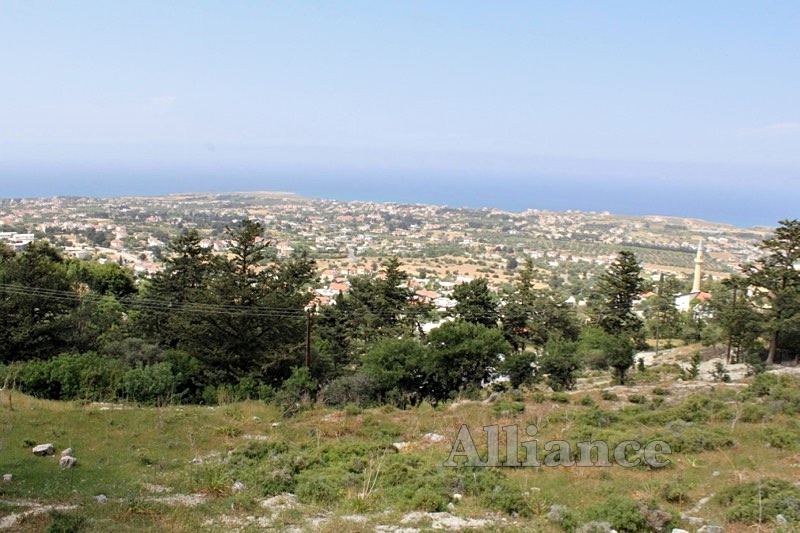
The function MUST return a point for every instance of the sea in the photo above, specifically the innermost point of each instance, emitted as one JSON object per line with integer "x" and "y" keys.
{"x": 742, "y": 203}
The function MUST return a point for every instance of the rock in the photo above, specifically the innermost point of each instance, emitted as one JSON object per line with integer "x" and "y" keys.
{"x": 399, "y": 446}
{"x": 676, "y": 530}
{"x": 44, "y": 449}
{"x": 67, "y": 462}
{"x": 556, "y": 513}
{"x": 256, "y": 418}
{"x": 280, "y": 502}
{"x": 68, "y": 451}
{"x": 781, "y": 520}
{"x": 101, "y": 498}
{"x": 275, "y": 424}
{"x": 595, "y": 527}
{"x": 493, "y": 397}
{"x": 715, "y": 473}
{"x": 693, "y": 520}
{"x": 451, "y": 506}
{"x": 457, "y": 497}
{"x": 238, "y": 487}
{"x": 710, "y": 529}
{"x": 7, "y": 477}
{"x": 433, "y": 437}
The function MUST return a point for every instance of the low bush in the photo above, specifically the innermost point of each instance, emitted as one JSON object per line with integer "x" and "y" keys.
{"x": 759, "y": 501}
{"x": 356, "y": 389}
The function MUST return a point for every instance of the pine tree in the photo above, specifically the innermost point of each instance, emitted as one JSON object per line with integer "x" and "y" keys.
{"x": 777, "y": 277}
{"x": 613, "y": 298}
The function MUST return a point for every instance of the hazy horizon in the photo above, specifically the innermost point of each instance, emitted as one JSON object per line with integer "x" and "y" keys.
{"x": 685, "y": 108}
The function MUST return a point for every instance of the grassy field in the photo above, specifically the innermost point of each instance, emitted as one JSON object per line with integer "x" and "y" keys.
{"x": 246, "y": 467}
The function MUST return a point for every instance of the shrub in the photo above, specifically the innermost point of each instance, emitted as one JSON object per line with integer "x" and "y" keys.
{"x": 320, "y": 488}
{"x": 357, "y": 389}
{"x": 61, "y": 522}
{"x": 298, "y": 387}
{"x": 560, "y": 397}
{"x": 608, "y": 396}
{"x": 753, "y": 412}
{"x": 428, "y": 500}
{"x": 73, "y": 376}
{"x": 508, "y": 500}
{"x": 149, "y": 384}
{"x": 674, "y": 491}
{"x": 754, "y": 502}
{"x": 636, "y": 398}
{"x": 510, "y": 408}
{"x": 691, "y": 439}
{"x": 720, "y": 373}
{"x": 781, "y": 438}
{"x": 623, "y": 514}
{"x": 588, "y": 401}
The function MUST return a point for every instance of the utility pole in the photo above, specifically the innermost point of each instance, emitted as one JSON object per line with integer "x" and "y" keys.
{"x": 308, "y": 339}
{"x": 730, "y": 331}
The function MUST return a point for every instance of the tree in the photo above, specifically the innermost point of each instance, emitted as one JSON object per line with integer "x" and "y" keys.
{"x": 659, "y": 310}
{"x": 532, "y": 315}
{"x": 476, "y": 303}
{"x": 613, "y": 298}
{"x": 163, "y": 308}
{"x": 395, "y": 367}
{"x": 736, "y": 318}
{"x": 777, "y": 277}
{"x": 373, "y": 308}
{"x": 520, "y": 367}
{"x": 619, "y": 352}
{"x": 559, "y": 362}
{"x": 36, "y": 303}
{"x": 242, "y": 315}
{"x": 461, "y": 354}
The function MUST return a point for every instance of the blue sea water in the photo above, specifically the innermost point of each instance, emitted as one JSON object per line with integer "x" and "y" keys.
{"x": 744, "y": 203}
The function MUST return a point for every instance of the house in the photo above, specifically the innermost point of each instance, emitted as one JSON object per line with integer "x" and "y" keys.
{"x": 426, "y": 296}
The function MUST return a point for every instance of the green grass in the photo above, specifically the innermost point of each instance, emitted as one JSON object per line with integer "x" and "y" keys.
{"x": 341, "y": 463}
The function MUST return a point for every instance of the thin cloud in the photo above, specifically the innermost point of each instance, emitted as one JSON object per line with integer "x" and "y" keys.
{"x": 160, "y": 104}
{"x": 772, "y": 129}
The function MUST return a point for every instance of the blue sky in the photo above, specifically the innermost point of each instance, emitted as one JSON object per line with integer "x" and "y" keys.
{"x": 613, "y": 88}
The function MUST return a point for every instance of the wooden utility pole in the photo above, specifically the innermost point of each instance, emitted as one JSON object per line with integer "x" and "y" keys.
{"x": 730, "y": 330}
{"x": 308, "y": 339}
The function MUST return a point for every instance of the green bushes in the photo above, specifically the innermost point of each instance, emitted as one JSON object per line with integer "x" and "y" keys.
{"x": 87, "y": 376}
{"x": 149, "y": 384}
{"x": 760, "y": 501}
{"x": 622, "y": 513}
{"x": 353, "y": 389}
{"x": 94, "y": 377}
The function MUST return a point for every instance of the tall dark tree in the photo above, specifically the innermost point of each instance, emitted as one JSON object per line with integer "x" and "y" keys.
{"x": 617, "y": 290}
{"x": 239, "y": 315}
{"x": 735, "y": 320}
{"x": 532, "y": 315}
{"x": 257, "y": 321}
{"x": 776, "y": 276}
{"x": 462, "y": 354}
{"x": 663, "y": 319}
{"x": 36, "y": 303}
{"x": 163, "y": 312}
{"x": 476, "y": 303}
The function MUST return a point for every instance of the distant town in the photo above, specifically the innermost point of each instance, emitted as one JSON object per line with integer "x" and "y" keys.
{"x": 439, "y": 246}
